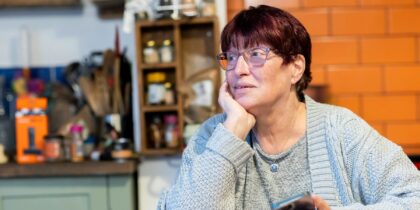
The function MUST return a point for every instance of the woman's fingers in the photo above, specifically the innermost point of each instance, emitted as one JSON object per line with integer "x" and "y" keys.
{"x": 320, "y": 203}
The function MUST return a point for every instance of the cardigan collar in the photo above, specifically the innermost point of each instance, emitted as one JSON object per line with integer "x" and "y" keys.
{"x": 322, "y": 181}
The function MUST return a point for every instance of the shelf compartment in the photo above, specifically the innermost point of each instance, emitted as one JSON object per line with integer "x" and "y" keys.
{"x": 167, "y": 82}
{"x": 156, "y": 134}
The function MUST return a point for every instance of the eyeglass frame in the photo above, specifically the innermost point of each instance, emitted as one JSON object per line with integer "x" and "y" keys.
{"x": 246, "y": 58}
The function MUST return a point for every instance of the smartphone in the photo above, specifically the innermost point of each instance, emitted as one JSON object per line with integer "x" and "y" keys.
{"x": 301, "y": 201}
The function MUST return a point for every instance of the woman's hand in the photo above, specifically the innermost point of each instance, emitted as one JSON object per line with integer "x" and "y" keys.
{"x": 320, "y": 203}
{"x": 238, "y": 120}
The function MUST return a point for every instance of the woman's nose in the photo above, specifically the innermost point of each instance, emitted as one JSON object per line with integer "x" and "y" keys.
{"x": 241, "y": 67}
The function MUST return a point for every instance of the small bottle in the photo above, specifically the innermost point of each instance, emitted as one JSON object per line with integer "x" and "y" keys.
{"x": 77, "y": 143}
{"x": 150, "y": 53}
{"x": 171, "y": 131}
{"x": 166, "y": 51}
{"x": 169, "y": 94}
{"x": 156, "y": 132}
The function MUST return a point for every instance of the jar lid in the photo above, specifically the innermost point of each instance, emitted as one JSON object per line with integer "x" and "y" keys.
{"x": 75, "y": 128}
{"x": 170, "y": 119}
{"x": 150, "y": 43}
{"x": 166, "y": 42}
{"x": 156, "y": 77}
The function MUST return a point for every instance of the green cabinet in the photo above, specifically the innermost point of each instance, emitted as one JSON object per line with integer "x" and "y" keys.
{"x": 87, "y": 185}
{"x": 68, "y": 193}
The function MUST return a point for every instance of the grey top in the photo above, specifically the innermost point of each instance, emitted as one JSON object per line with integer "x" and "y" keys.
{"x": 351, "y": 166}
{"x": 271, "y": 187}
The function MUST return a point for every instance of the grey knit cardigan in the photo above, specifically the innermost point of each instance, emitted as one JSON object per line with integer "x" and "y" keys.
{"x": 351, "y": 166}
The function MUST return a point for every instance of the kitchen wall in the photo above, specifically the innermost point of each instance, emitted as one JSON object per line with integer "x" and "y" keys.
{"x": 368, "y": 53}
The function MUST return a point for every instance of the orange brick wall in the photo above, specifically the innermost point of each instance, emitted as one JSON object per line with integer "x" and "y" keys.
{"x": 368, "y": 53}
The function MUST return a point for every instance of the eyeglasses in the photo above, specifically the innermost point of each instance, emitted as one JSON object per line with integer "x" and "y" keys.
{"x": 254, "y": 57}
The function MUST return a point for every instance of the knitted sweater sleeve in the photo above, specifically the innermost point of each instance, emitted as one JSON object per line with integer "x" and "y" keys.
{"x": 383, "y": 176}
{"x": 209, "y": 168}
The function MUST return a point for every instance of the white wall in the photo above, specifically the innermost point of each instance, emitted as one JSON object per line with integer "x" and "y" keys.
{"x": 57, "y": 36}
{"x": 60, "y": 36}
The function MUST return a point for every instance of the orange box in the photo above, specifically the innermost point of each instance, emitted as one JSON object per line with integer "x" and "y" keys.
{"x": 31, "y": 127}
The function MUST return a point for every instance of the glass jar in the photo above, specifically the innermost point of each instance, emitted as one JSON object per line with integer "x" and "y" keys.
{"x": 53, "y": 148}
{"x": 150, "y": 53}
{"x": 166, "y": 51}
{"x": 156, "y": 88}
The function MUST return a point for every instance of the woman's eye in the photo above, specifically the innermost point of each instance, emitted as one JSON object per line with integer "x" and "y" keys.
{"x": 231, "y": 57}
{"x": 257, "y": 53}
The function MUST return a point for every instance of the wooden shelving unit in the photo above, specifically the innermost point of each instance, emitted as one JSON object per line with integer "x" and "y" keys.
{"x": 192, "y": 39}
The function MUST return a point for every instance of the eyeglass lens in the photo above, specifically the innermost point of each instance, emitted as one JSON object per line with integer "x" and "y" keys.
{"x": 254, "y": 57}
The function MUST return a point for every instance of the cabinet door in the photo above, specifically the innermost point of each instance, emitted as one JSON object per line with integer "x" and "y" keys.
{"x": 81, "y": 193}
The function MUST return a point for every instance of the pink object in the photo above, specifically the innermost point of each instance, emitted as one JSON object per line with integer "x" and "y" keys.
{"x": 75, "y": 128}
{"x": 170, "y": 119}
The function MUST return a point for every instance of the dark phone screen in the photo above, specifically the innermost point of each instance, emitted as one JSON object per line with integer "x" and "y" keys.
{"x": 299, "y": 202}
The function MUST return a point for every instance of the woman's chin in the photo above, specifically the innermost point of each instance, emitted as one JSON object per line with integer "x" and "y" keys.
{"x": 246, "y": 102}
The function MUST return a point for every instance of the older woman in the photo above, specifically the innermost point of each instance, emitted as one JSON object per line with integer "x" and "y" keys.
{"x": 273, "y": 142}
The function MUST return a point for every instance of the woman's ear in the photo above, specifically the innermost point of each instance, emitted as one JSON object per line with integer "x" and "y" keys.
{"x": 298, "y": 68}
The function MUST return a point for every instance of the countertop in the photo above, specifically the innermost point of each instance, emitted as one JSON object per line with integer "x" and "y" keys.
{"x": 86, "y": 168}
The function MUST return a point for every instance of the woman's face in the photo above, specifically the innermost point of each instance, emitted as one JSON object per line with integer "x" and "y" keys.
{"x": 260, "y": 87}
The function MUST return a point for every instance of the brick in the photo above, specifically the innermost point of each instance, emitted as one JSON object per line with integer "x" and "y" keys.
{"x": 387, "y": 2}
{"x": 418, "y": 48}
{"x": 318, "y": 75}
{"x": 380, "y": 127}
{"x": 350, "y": 102}
{"x": 404, "y": 133}
{"x": 354, "y": 79}
{"x": 235, "y": 4}
{"x": 335, "y": 51}
{"x": 402, "y": 78}
{"x": 404, "y": 20}
{"x": 315, "y": 21}
{"x": 389, "y": 107}
{"x": 283, "y": 4}
{"x": 329, "y": 3}
{"x": 388, "y": 50}
{"x": 358, "y": 21}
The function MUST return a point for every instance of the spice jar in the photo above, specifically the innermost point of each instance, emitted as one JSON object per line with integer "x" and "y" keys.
{"x": 156, "y": 88}
{"x": 53, "y": 148}
{"x": 150, "y": 53}
{"x": 166, "y": 51}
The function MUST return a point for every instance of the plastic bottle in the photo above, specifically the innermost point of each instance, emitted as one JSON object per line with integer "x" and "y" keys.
{"x": 77, "y": 143}
{"x": 171, "y": 131}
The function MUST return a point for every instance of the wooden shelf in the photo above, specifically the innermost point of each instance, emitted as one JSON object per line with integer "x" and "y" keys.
{"x": 159, "y": 66}
{"x": 194, "y": 45}
{"x": 40, "y": 3}
{"x": 159, "y": 108}
{"x": 170, "y": 22}
{"x": 86, "y": 168}
{"x": 163, "y": 151}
